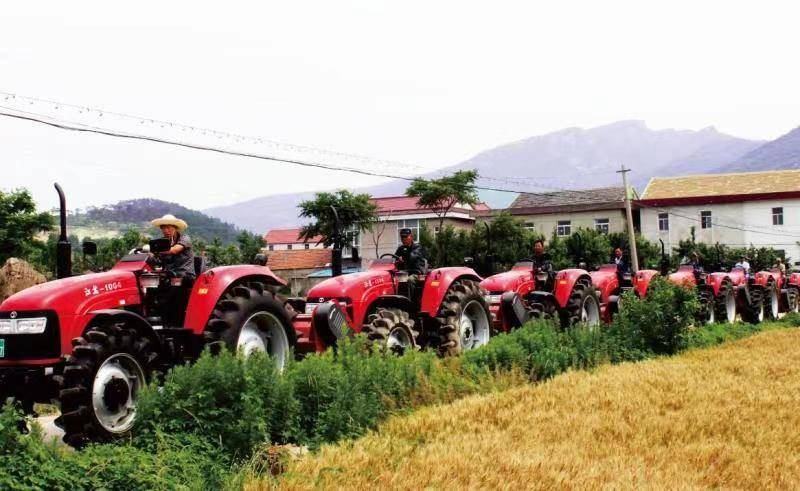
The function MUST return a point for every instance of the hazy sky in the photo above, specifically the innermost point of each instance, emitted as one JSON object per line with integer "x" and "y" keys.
{"x": 430, "y": 83}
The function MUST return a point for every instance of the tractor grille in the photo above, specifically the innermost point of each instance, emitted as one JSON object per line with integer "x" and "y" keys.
{"x": 32, "y": 346}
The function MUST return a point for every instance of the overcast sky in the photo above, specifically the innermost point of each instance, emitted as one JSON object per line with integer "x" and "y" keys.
{"x": 425, "y": 82}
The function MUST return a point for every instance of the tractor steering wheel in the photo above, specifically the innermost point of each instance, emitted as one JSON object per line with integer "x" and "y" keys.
{"x": 388, "y": 254}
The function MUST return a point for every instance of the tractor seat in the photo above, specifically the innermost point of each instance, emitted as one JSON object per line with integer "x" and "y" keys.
{"x": 199, "y": 265}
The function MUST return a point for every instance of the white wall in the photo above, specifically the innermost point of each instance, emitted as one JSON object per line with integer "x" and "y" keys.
{"x": 295, "y": 247}
{"x": 728, "y": 220}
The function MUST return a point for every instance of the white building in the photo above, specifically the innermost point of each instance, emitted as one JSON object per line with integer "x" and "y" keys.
{"x": 738, "y": 209}
{"x": 289, "y": 239}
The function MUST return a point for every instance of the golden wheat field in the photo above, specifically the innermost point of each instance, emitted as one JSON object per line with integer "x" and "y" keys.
{"x": 726, "y": 417}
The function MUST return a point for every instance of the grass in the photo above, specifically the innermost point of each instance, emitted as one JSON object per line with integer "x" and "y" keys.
{"x": 719, "y": 417}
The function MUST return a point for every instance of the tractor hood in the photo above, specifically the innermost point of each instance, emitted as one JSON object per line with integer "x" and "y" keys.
{"x": 350, "y": 286}
{"x": 78, "y": 295}
{"x": 508, "y": 281}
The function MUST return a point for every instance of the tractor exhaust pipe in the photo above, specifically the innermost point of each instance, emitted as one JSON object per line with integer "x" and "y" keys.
{"x": 336, "y": 253}
{"x": 63, "y": 247}
{"x": 664, "y": 260}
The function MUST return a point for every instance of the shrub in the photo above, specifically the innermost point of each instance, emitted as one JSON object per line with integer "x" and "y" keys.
{"x": 655, "y": 324}
{"x": 234, "y": 402}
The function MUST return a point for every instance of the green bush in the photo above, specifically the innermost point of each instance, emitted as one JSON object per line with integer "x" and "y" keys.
{"x": 28, "y": 463}
{"x": 657, "y": 323}
{"x": 234, "y": 402}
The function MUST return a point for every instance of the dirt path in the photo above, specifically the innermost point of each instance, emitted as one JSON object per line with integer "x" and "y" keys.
{"x": 723, "y": 417}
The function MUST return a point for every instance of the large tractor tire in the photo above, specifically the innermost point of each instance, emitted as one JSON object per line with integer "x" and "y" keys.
{"x": 391, "y": 329}
{"x": 793, "y": 299}
{"x": 463, "y": 320}
{"x": 102, "y": 379}
{"x": 252, "y": 319}
{"x": 708, "y": 310}
{"x": 582, "y": 306}
{"x": 725, "y": 304}
{"x": 545, "y": 311}
{"x": 772, "y": 302}
{"x": 754, "y": 312}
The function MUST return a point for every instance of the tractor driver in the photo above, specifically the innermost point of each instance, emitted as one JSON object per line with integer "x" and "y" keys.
{"x": 411, "y": 256}
{"x": 179, "y": 259}
{"x": 541, "y": 260}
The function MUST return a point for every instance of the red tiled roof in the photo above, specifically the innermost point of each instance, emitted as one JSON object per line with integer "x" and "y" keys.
{"x": 287, "y": 236}
{"x": 398, "y": 204}
{"x": 302, "y": 259}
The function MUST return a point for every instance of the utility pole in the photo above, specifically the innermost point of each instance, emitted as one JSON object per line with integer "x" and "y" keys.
{"x": 631, "y": 233}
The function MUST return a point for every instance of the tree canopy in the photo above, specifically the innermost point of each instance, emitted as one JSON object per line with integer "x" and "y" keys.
{"x": 443, "y": 194}
{"x": 356, "y": 214}
{"x": 20, "y": 223}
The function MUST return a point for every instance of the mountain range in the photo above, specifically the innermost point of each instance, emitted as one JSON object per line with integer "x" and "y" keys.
{"x": 572, "y": 158}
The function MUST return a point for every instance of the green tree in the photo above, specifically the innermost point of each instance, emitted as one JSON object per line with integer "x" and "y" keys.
{"x": 443, "y": 194}
{"x": 510, "y": 242}
{"x": 19, "y": 224}
{"x": 356, "y": 214}
{"x": 249, "y": 245}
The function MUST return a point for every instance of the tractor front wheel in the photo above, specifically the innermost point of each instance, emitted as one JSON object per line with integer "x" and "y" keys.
{"x": 708, "y": 311}
{"x": 726, "y": 304}
{"x": 252, "y": 319}
{"x": 771, "y": 302}
{"x": 392, "y": 329}
{"x": 98, "y": 392}
{"x": 582, "y": 306}
{"x": 463, "y": 319}
{"x": 754, "y": 312}
{"x": 792, "y": 299}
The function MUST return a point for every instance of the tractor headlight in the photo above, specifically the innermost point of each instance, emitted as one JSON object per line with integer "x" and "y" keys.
{"x": 35, "y": 325}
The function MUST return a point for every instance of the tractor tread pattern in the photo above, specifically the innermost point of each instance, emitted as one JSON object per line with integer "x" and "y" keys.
{"x": 75, "y": 385}
{"x": 571, "y": 314}
{"x": 457, "y": 296}
{"x": 381, "y": 323}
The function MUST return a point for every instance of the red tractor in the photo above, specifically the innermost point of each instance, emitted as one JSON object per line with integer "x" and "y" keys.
{"x": 442, "y": 308}
{"x": 780, "y": 294}
{"x": 525, "y": 292}
{"x": 91, "y": 342}
{"x": 722, "y": 294}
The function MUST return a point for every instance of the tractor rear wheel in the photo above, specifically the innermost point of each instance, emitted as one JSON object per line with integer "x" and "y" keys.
{"x": 771, "y": 302}
{"x": 726, "y": 304}
{"x": 754, "y": 312}
{"x": 463, "y": 319}
{"x": 708, "y": 311}
{"x": 582, "y": 306}
{"x": 252, "y": 319}
{"x": 102, "y": 379}
{"x": 391, "y": 329}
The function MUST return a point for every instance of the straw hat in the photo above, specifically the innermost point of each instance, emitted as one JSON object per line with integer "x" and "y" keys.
{"x": 170, "y": 220}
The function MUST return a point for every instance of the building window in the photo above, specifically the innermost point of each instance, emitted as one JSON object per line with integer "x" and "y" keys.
{"x": 353, "y": 240}
{"x": 288, "y": 247}
{"x": 435, "y": 231}
{"x": 412, "y": 224}
{"x": 529, "y": 226}
{"x": 306, "y": 245}
{"x": 271, "y": 247}
{"x": 777, "y": 216}
{"x": 705, "y": 219}
{"x": 564, "y": 228}
{"x": 601, "y": 225}
{"x": 663, "y": 222}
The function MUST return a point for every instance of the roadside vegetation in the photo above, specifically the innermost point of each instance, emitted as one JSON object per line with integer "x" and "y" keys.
{"x": 215, "y": 423}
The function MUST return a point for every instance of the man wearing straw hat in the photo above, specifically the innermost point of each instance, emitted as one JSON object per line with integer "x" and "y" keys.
{"x": 179, "y": 258}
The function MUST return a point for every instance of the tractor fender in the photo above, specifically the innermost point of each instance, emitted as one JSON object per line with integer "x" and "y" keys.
{"x": 212, "y": 284}
{"x": 642, "y": 279}
{"x": 715, "y": 281}
{"x": 565, "y": 282}
{"x": 438, "y": 282}
{"x": 133, "y": 319}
